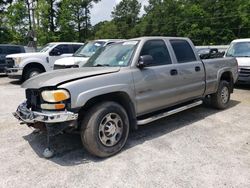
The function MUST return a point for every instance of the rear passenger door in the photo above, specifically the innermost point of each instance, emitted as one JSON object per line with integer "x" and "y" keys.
{"x": 155, "y": 87}
{"x": 190, "y": 71}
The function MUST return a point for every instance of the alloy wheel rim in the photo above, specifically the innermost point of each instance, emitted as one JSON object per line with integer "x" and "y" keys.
{"x": 110, "y": 129}
{"x": 224, "y": 95}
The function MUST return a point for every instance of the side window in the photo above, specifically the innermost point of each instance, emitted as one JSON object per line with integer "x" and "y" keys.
{"x": 1, "y": 50}
{"x": 63, "y": 49}
{"x": 158, "y": 50}
{"x": 183, "y": 51}
{"x": 76, "y": 47}
{"x": 13, "y": 50}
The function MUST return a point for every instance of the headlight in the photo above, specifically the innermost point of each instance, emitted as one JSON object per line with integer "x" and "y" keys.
{"x": 55, "y": 95}
{"x": 17, "y": 60}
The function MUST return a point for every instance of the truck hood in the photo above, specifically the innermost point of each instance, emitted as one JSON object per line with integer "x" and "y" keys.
{"x": 71, "y": 60}
{"x": 25, "y": 55}
{"x": 243, "y": 61}
{"x": 57, "y": 77}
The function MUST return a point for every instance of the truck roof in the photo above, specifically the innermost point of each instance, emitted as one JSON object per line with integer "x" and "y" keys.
{"x": 158, "y": 37}
{"x": 67, "y": 42}
{"x": 242, "y": 40}
{"x": 108, "y": 40}
{"x": 11, "y": 45}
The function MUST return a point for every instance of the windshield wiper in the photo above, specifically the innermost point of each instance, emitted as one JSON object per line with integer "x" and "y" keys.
{"x": 102, "y": 65}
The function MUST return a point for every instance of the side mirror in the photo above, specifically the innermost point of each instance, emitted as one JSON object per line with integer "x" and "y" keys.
{"x": 145, "y": 61}
{"x": 55, "y": 52}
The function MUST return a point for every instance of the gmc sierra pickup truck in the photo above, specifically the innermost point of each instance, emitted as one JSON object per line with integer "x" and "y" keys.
{"x": 127, "y": 84}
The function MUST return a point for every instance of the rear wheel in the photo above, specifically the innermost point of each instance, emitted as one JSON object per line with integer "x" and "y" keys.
{"x": 221, "y": 98}
{"x": 31, "y": 72}
{"x": 105, "y": 129}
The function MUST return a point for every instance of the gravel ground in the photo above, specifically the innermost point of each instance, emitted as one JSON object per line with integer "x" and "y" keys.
{"x": 200, "y": 147}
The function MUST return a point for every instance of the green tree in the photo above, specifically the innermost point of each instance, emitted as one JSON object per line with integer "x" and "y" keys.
{"x": 65, "y": 21}
{"x": 17, "y": 21}
{"x": 125, "y": 16}
{"x": 107, "y": 30}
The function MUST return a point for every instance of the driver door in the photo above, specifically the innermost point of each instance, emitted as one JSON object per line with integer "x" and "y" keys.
{"x": 155, "y": 84}
{"x": 58, "y": 52}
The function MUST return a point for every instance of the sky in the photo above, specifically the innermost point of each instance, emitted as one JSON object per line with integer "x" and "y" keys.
{"x": 102, "y": 10}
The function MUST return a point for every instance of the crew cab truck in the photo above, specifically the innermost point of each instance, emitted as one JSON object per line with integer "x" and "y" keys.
{"x": 25, "y": 65}
{"x": 128, "y": 84}
{"x": 81, "y": 56}
{"x": 240, "y": 49}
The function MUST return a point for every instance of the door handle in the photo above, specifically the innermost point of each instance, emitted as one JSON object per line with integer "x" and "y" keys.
{"x": 173, "y": 72}
{"x": 197, "y": 69}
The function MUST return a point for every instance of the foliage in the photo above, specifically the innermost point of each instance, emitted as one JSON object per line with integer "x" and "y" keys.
{"x": 205, "y": 22}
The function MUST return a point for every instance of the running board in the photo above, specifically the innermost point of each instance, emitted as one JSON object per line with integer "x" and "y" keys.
{"x": 168, "y": 113}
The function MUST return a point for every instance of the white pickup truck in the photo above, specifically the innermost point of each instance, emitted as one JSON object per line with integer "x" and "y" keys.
{"x": 240, "y": 49}
{"x": 81, "y": 56}
{"x": 25, "y": 65}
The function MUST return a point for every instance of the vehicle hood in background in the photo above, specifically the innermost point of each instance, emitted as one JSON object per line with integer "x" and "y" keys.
{"x": 243, "y": 61}
{"x": 25, "y": 55}
{"x": 71, "y": 61}
{"x": 57, "y": 77}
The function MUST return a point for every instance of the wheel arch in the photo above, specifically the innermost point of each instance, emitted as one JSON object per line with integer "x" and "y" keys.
{"x": 228, "y": 76}
{"x": 33, "y": 65}
{"x": 121, "y": 98}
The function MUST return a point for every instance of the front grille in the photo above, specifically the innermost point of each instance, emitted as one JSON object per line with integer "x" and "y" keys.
{"x": 10, "y": 62}
{"x": 244, "y": 72}
{"x": 33, "y": 99}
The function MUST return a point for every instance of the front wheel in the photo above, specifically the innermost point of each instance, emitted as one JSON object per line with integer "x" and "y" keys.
{"x": 105, "y": 129}
{"x": 31, "y": 72}
{"x": 221, "y": 98}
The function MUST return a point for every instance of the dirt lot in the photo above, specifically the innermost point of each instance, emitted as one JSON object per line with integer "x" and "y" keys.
{"x": 200, "y": 147}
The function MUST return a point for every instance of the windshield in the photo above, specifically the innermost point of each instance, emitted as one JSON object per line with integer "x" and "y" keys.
{"x": 47, "y": 47}
{"x": 89, "y": 49}
{"x": 239, "y": 49}
{"x": 115, "y": 55}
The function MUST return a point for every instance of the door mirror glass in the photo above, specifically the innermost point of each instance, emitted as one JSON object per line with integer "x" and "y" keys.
{"x": 144, "y": 61}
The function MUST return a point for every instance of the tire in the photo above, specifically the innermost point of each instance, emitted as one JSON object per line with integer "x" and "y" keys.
{"x": 220, "y": 100}
{"x": 105, "y": 129}
{"x": 31, "y": 72}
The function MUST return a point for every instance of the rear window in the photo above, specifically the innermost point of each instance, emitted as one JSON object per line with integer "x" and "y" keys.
{"x": 11, "y": 50}
{"x": 183, "y": 51}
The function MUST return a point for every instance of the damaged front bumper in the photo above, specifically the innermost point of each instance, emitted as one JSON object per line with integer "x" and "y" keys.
{"x": 50, "y": 122}
{"x": 27, "y": 116}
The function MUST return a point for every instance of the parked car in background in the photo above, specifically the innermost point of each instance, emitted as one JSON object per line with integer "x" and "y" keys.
{"x": 7, "y": 49}
{"x": 82, "y": 55}
{"x": 210, "y": 52}
{"x": 25, "y": 65}
{"x": 130, "y": 83}
{"x": 240, "y": 49}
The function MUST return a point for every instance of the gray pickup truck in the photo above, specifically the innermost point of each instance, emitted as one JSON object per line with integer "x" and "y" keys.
{"x": 127, "y": 84}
